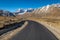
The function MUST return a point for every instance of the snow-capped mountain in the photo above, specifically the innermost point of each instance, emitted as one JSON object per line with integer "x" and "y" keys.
{"x": 29, "y": 10}
{"x": 53, "y": 9}
{"x": 22, "y": 11}
{"x": 49, "y": 10}
{"x": 56, "y": 5}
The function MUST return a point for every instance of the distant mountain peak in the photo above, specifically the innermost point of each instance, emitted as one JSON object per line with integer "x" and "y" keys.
{"x": 48, "y": 7}
{"x": 22, "y": 11}
{"x": 49, "y": 10}
{"x": 45, "y": 8}
{"x": 56, "y": 5}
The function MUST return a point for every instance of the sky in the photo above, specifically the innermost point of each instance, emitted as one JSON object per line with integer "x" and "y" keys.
{"x": 13, "y": 5}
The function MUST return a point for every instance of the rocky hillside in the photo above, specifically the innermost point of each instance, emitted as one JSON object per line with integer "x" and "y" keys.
{"x": 48, "y": 11}
{"x": 6, "y": 13}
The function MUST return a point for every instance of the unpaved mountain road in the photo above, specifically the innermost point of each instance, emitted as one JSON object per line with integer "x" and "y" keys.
{"x": 34, "y": 31}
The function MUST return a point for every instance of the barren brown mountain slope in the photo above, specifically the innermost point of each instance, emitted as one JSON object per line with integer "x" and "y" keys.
{"x": 8, "y": 20}
{"x": 48, "y": 12}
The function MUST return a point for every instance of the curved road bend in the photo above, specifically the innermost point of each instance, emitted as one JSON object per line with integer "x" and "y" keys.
{"x": 34, "y": 31}
{"x": 10, "y": 27}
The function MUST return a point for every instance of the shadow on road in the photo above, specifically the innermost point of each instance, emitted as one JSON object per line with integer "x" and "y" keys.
{"x": 10, "y": 27}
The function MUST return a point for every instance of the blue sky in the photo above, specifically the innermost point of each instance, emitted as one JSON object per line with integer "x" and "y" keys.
{"x": 12, "y": 5}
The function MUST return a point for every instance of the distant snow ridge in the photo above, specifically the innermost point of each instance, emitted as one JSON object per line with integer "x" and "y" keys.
{"x": 56, "y": 5}
{"x": 30, "y": 10}
{"x": 25, "y": 10}
{"x": 46, "y": 8}
{"x": 22, "y": 11}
